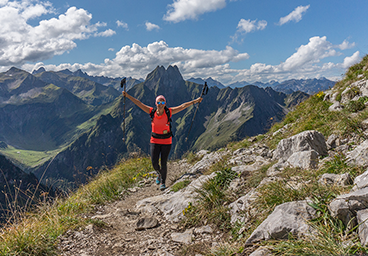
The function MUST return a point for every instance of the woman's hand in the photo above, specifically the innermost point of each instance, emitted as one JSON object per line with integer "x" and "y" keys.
{"x": 125, "y": 94}
{"x": 198, "y": 100}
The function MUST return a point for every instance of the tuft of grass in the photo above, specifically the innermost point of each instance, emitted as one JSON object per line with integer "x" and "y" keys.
{"x": 212, "y": 198}
{"x": 193, "y": 158}
{"x": 37, "y": 232}
{"x": 180, "y": 185}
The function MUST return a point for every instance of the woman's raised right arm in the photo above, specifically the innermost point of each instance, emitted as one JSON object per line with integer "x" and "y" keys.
{"x": 144, "y": 107}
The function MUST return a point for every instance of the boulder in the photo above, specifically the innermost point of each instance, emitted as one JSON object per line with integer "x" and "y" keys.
{"x": 362, "y": 217}
{"x": 304, "y": 159}
{"x": 331, "y": 141}
{"x": 361, "y": 181}
{"x": 304, "y": 141}
{"x": 336, "y": 106}
{"x": 345, "y": 206}
{"x": 358, "y": 156}
{"x": 287, "y": 218}
{"x": 335, "y": 179}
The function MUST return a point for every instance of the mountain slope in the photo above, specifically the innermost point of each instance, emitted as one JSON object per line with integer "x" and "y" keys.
{"x": 18, "y": 188}
{"x": 35, "y": 115}
{"x": 89, "y": 91}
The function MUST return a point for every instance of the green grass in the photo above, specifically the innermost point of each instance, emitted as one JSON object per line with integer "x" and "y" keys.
{"x": 180, "y": 185}
{"x": 28, "y": 158}
{"x": 211, "y": 200}
{"x": 36, "y": 232}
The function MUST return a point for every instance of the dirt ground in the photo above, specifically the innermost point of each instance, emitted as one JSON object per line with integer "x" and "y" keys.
{"x": 120, "y": 237}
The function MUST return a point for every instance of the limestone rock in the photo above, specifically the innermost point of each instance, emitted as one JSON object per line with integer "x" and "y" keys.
{"x": 361, "y": 181}
{"x": 359, "y": 156}
{"x": 202, "y": 230}
{"x": 331, "y": 141}
{"x": 345, "y": 206}
{"x": 336, "y": 106}
{"x": 185, "y": 238}
{"x": 287, "y": 218}
{"x": 336, "y": 179}
{"x": 362, "y": 217}
{"x": 304, "y": 141}
{"x": 241, "y": 209}
{"x": 261, "y": 251}
{"x": 172, "y": 204}
{"x": 146, "y": 223}
{"x": 304, "y": 159}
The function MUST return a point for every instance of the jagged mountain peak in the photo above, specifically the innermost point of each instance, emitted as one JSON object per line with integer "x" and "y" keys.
{"x": 38, "y": 71}
{"x": 164, "y": 78}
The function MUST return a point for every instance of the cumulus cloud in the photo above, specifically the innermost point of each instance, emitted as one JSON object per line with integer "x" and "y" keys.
{"x": 150, "y": 26}
{"x": 122, "y": 24}
{"x": 295, "y": 15}
{"x": 21, "y": 42}
{"x": 354, "y": 59}
{"x": 137, "y": 61}
{"x": 318, "y": 48}
{"x": 346, "y": 45}
{"x": 182, "y": 10}
{"x": 247, "y": 26}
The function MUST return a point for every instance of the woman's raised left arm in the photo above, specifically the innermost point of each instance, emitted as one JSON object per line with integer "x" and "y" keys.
{"x": 185, "y": 105}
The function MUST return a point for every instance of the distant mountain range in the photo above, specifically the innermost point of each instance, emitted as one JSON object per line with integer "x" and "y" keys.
{"x": 310, "y": 86}
{"x": 70, "y": 124}
{"x": 210, "y": 82}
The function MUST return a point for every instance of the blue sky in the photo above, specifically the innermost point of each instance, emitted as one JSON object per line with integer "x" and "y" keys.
{"x": 228, "y": 40}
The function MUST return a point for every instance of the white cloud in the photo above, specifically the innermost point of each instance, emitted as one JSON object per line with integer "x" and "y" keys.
{"x": 247, "y": 26}
{"x": 106, "y": 33}
{"x": 137, "y": 61}
{"x": 295, "y": 15}
{"x": 111, "y": 49}
{"x": 21, "y": 42}
{"x": 354, "y": 59}
{"x": 346, "y": 45}
{"x": 150, "y": 26}
{"x": 182, "y": 10}
{"x": 122, "y": 24}
{"x": 318, "y": 48}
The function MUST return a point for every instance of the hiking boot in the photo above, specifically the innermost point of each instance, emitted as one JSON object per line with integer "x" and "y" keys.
{"x": 162, "y": 187}
{"x": 158, "y": 181}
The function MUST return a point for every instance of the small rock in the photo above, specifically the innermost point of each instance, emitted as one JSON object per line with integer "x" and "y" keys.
{"x": 202, "y": 230}
{"x": 261, "y": 251}
{"x": 185, "y": 238}
{"x": 146, "y": 223}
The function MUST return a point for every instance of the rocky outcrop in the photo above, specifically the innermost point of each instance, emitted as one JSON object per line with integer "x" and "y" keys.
{"x": 301, "y": 150}
{"x": 304, "y": 141}
{"x": 287, "y": 218}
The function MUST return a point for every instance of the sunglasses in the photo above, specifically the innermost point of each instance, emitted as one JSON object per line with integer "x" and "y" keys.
{"x": 161, "y": 102}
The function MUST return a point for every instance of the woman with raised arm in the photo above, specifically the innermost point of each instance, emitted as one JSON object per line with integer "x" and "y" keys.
{"x": 161, "y": 136}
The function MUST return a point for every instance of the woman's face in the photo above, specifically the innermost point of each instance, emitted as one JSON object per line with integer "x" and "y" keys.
{"x": 160, "y": 103}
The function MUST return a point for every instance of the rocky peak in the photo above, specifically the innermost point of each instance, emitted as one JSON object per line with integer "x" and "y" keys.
{"x": 38, "y": 71}
{"x": 164, "y": 78}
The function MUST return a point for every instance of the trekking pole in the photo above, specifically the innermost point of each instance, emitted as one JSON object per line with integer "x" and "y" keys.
{"x": 123, "y": 85}
{"x": 204, "y": 92}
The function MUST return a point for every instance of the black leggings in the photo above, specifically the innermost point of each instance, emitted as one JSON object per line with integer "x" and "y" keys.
{"x": 164, "y": 150}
